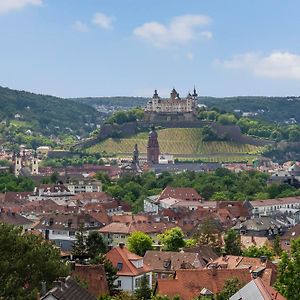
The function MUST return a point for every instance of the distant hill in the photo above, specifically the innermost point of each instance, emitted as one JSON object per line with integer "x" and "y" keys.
{"x": 47, "y": 114}
{"x": 273, "y": 109}
{"x": 183, "y": 143}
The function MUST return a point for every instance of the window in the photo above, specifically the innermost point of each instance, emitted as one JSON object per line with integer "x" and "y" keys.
{"x": 119, "y": 284}
{"x": 119, "y": 266}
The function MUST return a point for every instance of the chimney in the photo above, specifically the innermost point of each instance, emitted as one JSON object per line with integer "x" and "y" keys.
{"x": 121, "y": 245}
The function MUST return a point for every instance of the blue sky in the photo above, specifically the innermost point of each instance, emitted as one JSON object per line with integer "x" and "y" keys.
{"x": 75, "y": 48}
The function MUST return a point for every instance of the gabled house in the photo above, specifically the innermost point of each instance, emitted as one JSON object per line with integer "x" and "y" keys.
{"x": 67, "y": 289}
{"x": 190, "y": 284}
{"x": 62, "y": 228}
{"x": 263, "y": 227}
{"x": 258, "y": 267}
{"x": 130, "y": 268}
{"x": 117, "y": 233}
{"x": 291, "y": 234}
{"x": 165, "y": 263}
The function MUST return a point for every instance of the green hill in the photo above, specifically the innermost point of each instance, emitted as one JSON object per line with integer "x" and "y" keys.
{"x": 47, "y": 114}
{"x": 183, "y": 143}
{"x": 266, "y": 108}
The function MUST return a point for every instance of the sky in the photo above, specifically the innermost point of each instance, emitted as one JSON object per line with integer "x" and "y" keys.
{"x": 88, "y": 48}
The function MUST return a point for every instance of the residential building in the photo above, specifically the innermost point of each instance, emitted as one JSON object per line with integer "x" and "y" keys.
{"x": 13, "y": 218}
{"x": 190, "y": 284}
{"x": 130, "y": 268}
{"x": 259, "y": 267}
{"x": 117, "y": 233}
{"x": 269, "y": 206}
{"x": 62, "y": 228}
{"x": 94, "y": 276}
{"x": 291, "y": 234}
{"x": 67, "y": 289}
{"x": 165, "y": 263}
{"x": 264, "y": 227}
{"x": 83, "y": 185}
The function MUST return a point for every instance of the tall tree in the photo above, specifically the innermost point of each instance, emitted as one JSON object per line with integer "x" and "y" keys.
{"x": 26, "y": 261}
{"x": 95, "y": 244}
{"x": 288, "y": 283}
{"x": 79, "y": 246}
{"x": 276, "y": 245}
{"x": 144, "y": 291}
{"x": 139, "y": 242}
{"x": 172, "y": 239}
{"x": 232, "y": 243}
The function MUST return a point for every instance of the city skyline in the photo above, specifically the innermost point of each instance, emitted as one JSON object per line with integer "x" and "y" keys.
{"x": 130, "y": 47}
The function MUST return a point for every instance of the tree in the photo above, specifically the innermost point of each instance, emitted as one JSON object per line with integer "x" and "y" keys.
{"x": 26, "y": 261}
{"x": 95, "y": 244}
{"x": 79, "y": 246}
{"x": 172, "y": 239}
{"x": 276, "y": 245}
{"x": 231, "y": 286}
{"x": 288, "y": 283}
{"x": 208, "y": 234}
{"x": 144, "y": 291}
{"x": 111, "y": 274}
{"x": 254, "y": 251}
{"x": 139, "y": 242}
{"x": 232, "y": 243}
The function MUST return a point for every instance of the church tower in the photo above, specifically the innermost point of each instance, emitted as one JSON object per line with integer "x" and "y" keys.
{"x": 152, "y": 147}
{"x": 18, "y": 164}
{"x": 35, "y": 165}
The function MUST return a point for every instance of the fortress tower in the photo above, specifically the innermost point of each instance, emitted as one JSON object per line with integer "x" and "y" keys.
{"x": 152, "y": 147}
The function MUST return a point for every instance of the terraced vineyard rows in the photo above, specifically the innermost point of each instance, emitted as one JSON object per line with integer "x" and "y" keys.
{"x": 183, "y": 142}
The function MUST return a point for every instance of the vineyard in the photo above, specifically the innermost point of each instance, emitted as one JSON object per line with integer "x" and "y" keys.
{"x": 183, "y": 143}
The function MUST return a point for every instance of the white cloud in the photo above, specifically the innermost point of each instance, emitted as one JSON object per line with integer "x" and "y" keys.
{"x": 9, "y": 5}
{"x": 179, "y": 30}
{"x": 284, "y": 65}
{"x": 207, "y": 35}
{"x": 80, "y": 26}
{"x": 103, "y": 21}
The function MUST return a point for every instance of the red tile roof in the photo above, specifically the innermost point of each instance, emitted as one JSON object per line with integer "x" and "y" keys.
{"x": 180, "y": 193}
{"x": 121, "y": 255}
{"x": 95, "y": 277}
{"x": 189, "y": 283}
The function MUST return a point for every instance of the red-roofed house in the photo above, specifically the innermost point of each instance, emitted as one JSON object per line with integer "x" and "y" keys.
{"x": 189, "y": 284}
{"x": 130, "y": 268}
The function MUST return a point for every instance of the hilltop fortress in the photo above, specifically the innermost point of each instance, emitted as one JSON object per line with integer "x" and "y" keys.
{"x": 174, "y": 108}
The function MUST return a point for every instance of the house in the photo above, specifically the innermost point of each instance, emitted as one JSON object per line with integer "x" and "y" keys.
{"x": 13, "y": 218}
{"x": 94, "y": 276}
{"x": 130, "y": 268}
{"x": 173, "y": 197}
{"x": 55, "y": 192}
{"x": 189, "y": 284}
{"x": 165, "y": 263}
{"x": 83, "y": 185}
{"x": 67, "y": 289}
{"x": 259, "y": 267}
{"x": 291, "y": 234}
{"x": 187, "y": 194}
{"x": 61, "y": 228}
{"x": 263, "y": 227}
{"x": 258, "y": 290}
{"x": 270, "y": 206}
{"x": 117, "y": 233}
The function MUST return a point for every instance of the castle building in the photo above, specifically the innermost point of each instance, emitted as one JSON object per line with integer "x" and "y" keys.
{"x": 174, "y": 104}
{"x": 153, "y": 148}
